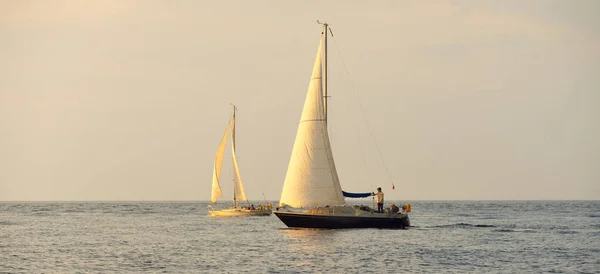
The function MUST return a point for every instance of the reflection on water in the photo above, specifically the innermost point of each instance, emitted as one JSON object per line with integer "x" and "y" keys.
{"x": 311, "y": 240}
{"x": 310, "y": 245}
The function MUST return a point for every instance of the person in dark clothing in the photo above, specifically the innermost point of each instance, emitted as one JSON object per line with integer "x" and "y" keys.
{"x": 394, "y": 209}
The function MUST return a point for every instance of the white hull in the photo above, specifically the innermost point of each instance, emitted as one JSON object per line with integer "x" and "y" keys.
{"x": 239, "y": 212}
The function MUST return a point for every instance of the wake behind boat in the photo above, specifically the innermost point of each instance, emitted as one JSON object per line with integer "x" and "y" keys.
{"x": 312, "y": 182}
{"x": 238, "y": 188}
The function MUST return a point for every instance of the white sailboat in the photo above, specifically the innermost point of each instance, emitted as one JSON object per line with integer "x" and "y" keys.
{"x": 312, "y": 188}
{"x": 238, "y": 188}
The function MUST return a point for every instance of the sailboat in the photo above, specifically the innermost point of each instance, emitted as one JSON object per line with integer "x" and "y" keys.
{"x": 239, "y": 195}
{"x": 312, "y": 196}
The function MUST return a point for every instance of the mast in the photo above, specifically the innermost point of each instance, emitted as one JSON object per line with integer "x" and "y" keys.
{"x": 325, "y": 26}
{"x": 238, "y": 188}
{"x": 235, "y": 202}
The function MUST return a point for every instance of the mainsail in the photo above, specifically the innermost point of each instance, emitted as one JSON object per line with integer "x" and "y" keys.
{"x": 311, "y": 178}
{"x": 216, "y": 186}
{"x": 238, "y": 187}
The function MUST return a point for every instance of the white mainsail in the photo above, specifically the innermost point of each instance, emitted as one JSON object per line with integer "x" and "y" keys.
{"x": 216, "y": 186}
{"x": 311, "y": 178}
{"x": 238, "y": 187}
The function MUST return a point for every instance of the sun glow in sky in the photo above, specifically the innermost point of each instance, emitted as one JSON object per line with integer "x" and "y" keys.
{"x": 128, "y": 100}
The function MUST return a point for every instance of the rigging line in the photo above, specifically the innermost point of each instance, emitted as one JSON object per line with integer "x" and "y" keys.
{"x": 357, "y": 134}
{"x": 362, "y": 154}
{"x": 362, "y": 109}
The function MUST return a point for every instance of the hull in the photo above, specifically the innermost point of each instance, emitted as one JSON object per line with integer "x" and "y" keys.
{"x": 238, "y": 212}
{"x": 310, "y": 220}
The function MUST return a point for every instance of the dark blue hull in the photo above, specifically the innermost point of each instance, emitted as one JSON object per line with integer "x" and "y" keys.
{"x": 304, "y": 220}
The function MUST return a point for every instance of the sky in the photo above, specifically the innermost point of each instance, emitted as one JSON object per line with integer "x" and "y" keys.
{"x": 465, "y": 100}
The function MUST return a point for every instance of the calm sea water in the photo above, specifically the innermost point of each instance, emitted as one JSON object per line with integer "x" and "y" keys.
{"x": 446, "y": 237}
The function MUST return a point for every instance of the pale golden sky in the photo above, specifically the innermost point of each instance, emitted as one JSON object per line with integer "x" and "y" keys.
{"x": 128, "y": 100}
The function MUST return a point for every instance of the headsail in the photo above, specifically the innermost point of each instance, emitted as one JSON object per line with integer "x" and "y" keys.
{"x": 238, "y": 187}
{"x": 216, "y": 186}
{"x": 311, "y": 178}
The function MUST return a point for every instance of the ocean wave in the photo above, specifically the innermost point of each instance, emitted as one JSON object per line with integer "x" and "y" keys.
{"x": 463, "y": 225}
{"x": 488, "y": 218}
{"x": 73, "y": 211}
{"x": 566, "y": 232}
{"x": 42, "y": 209}
{"x": 504, "y": 230}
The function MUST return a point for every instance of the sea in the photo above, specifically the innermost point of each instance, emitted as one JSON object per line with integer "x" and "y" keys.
{"x": 180, "y": 237}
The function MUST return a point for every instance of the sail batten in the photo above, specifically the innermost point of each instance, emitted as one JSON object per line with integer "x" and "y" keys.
{"x": 311, "y": 179}
{"x": 218, "y": 163}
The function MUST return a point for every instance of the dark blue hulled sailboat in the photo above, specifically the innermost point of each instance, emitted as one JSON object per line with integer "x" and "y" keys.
{"x": 312, "y": 196}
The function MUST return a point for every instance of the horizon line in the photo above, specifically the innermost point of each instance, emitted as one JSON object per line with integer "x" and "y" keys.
{"x": 208, "y": 201}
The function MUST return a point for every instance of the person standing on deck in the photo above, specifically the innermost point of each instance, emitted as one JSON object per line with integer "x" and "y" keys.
{"x": 379, "y": 195}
